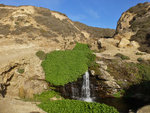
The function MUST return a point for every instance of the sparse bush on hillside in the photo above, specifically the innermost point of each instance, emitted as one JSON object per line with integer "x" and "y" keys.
{"x": 138, "y": 53}
{"x": 123, "y": 57}
{"x": 144, "y": 71}
{"x": 41, "y": 55}
{"x": 4, "y": 29}
{"x": 62, "y": 27}
{"x": 20, "y": 70}
{"x": 140, "y": 59}
{"x": 66, "y": 66}
{"x": 139, "y": 9}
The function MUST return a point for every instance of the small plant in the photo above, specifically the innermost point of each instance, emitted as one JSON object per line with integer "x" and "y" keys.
{"x": 140, "y": 59}
{"x": 20, "y": 70}
{"x": 119, "y": 94}
{"x": 123, "y": 57}
{"x": 138, "y": 53}
{"x": 144, "y": 71}
{"x": 41, "y": 55}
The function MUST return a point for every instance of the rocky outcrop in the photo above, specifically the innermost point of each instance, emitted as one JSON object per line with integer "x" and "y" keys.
{"x": 107, "y": 79}
{"x": 144, "y": 109}
{"x": 22, "y": 77}
{"x": 134, "y": 25}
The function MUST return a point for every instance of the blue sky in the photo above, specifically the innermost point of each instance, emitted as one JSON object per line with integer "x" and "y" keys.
{"x": 97, "y": 13}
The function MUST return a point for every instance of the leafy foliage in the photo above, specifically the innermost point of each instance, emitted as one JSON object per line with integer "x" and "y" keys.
{"x": 66, "y": 66}
{"x": 41, "y": 55}
{"x": 45, "y": 96}
{"x": 75, "y": 106}
{"x": 20, "y": 70}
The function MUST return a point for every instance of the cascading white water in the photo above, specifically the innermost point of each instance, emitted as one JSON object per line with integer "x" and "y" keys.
{"x": 73, "y": 91}
{"x": 85, "y": 92}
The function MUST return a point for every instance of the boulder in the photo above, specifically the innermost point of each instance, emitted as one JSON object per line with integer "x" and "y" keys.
{"x": 145, "y": 109}
{"x": 123, "y": 43}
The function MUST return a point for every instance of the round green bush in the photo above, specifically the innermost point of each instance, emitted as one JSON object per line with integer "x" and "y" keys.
{"x": 75, "y": 106}
{"x": 62, "y": 67}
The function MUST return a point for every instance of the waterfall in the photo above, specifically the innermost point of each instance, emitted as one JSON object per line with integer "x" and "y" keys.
{"x": 73, "y": 91}
{"x": 85, "y": 91}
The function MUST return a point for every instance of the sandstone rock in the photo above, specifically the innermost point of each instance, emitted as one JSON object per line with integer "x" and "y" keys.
{"x": 133, "y": 25}
{"x": 123, "y": 43}
{"x": 145, "y": 109}
{"x": 134, "y": 44}
{"x": 92, "y": 72}
{"x": 55, "y": 98}
{"x": 23, "y": 84}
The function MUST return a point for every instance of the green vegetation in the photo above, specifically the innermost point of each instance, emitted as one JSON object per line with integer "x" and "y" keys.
{"x": 119, "y": 94}
{"x": 62, "y": 67}
{"x": 41, "y": 55}
{"x": 45, "y": 96}
{"x": 144, "y": 71}
{"x": 140, "y": 59}
{"x": 20, "y": 70}
{"x": 123, "y": 57}
{"x": 138, "y": 53}
{"x": 75, "y": 106}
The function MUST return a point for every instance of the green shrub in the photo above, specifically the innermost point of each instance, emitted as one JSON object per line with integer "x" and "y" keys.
{"x": 20, "y": 70}
{"x": 119, "y": 94}
{"x": 123, "y": 57}
{"x": 41, "y": 55}
{"x": 62, "y": 67}
{"x": 75, "y": 106}
{"x": 45, "y": 96}
{"x": 138, "y": 53}
{"x": 140, "y": 59}
{"x": 144, "y": 71}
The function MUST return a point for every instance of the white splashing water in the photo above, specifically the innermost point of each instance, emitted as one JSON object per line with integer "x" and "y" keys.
{"x": 85, "y": 92}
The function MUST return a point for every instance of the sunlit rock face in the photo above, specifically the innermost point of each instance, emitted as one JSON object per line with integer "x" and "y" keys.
{"x": 134, "y": 25}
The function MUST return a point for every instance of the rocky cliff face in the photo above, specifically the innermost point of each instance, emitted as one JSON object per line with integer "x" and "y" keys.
{"x": 27, "y": 29}
{"x": 134, "y": 25}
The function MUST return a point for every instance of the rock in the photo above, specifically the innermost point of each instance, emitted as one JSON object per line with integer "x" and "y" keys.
{"x": 134, "y": 44}
{"x": 92, "y": 72}
{"x": 25, "y": 84}
{"x": 109, "y": 80}
{"x": 133, "y": 25}
{"x": 55, "y": 98}
{"x": 145, "y": 109}
{"x": 21, "y": 92}
{"x": 123, "y": 43}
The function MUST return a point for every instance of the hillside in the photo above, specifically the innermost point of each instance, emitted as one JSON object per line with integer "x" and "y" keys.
{"x": 134, "y": 25}
{"x": 37, "y": 21}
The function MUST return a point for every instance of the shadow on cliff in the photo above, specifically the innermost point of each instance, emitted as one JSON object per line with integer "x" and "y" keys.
{"x": 138, "y": 95}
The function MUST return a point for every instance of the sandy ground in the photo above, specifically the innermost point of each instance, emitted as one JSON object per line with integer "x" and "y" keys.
{"x": 112, "y": 50}
{"x": 9, "y": 105}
